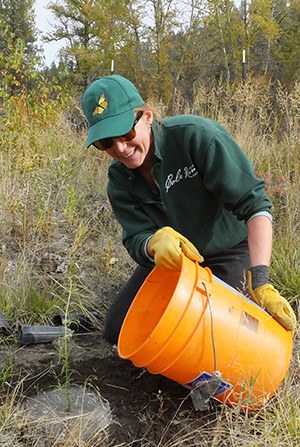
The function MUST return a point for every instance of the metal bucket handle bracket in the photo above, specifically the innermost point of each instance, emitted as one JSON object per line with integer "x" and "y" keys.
{"x": 205, "y": 391}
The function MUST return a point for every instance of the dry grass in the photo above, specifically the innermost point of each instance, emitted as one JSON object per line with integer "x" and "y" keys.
{"x": 56, "y": 224}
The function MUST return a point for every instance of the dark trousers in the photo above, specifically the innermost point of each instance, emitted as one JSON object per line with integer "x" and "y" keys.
{"x": 230, "y": 266}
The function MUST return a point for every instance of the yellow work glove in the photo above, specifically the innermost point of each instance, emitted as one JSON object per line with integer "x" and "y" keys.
{"x": 167, "y": 245}
{"x": 269, "y": 299}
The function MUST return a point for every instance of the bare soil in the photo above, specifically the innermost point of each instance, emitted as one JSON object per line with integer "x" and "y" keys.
{"x": 147, "y": 410}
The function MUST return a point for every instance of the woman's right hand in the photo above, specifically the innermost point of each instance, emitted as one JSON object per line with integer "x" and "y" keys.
{"x": 166, "y": 247}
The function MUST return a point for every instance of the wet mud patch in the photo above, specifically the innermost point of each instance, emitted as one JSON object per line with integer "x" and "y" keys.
{"x": 147, "y": 410}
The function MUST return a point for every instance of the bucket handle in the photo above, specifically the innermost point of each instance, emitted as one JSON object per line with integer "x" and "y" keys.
{"x": 205, "y": 290}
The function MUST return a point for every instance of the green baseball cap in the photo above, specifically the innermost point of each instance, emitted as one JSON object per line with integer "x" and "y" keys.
{"x": 108, "y": 104}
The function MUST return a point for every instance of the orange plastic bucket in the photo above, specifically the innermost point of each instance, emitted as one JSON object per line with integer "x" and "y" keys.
{"x": 187, "y": 324}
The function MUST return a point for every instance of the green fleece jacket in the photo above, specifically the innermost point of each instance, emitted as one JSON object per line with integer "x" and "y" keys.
{"x": 207, "y": 189}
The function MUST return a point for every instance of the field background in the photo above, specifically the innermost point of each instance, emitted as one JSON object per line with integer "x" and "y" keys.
{"x": 60, "y": 246}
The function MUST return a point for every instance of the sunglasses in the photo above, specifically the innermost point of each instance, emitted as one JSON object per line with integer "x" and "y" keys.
{"x": 106, "y": 143}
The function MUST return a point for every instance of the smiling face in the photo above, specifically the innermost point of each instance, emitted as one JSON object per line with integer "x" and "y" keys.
{"x": 133, "y": 153}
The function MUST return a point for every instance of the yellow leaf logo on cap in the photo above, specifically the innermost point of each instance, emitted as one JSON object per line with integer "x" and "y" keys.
{"x": 101, "y": 106}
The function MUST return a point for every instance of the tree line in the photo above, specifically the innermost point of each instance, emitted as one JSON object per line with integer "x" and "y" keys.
{"x": 166, "y": 47}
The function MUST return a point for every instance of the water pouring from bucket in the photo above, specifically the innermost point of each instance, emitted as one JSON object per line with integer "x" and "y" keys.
{"x": 193, "y": 328}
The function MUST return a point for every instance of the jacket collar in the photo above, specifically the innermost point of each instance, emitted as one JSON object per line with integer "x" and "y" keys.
{"x": 158, "y": 135}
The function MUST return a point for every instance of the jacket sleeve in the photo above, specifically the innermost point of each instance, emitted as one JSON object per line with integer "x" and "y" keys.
{"x": 137, "y": 227}
{"x": 229, "y": 175}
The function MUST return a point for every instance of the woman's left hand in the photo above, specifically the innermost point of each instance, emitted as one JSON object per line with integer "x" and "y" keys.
{"x": 270, "y": 299}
